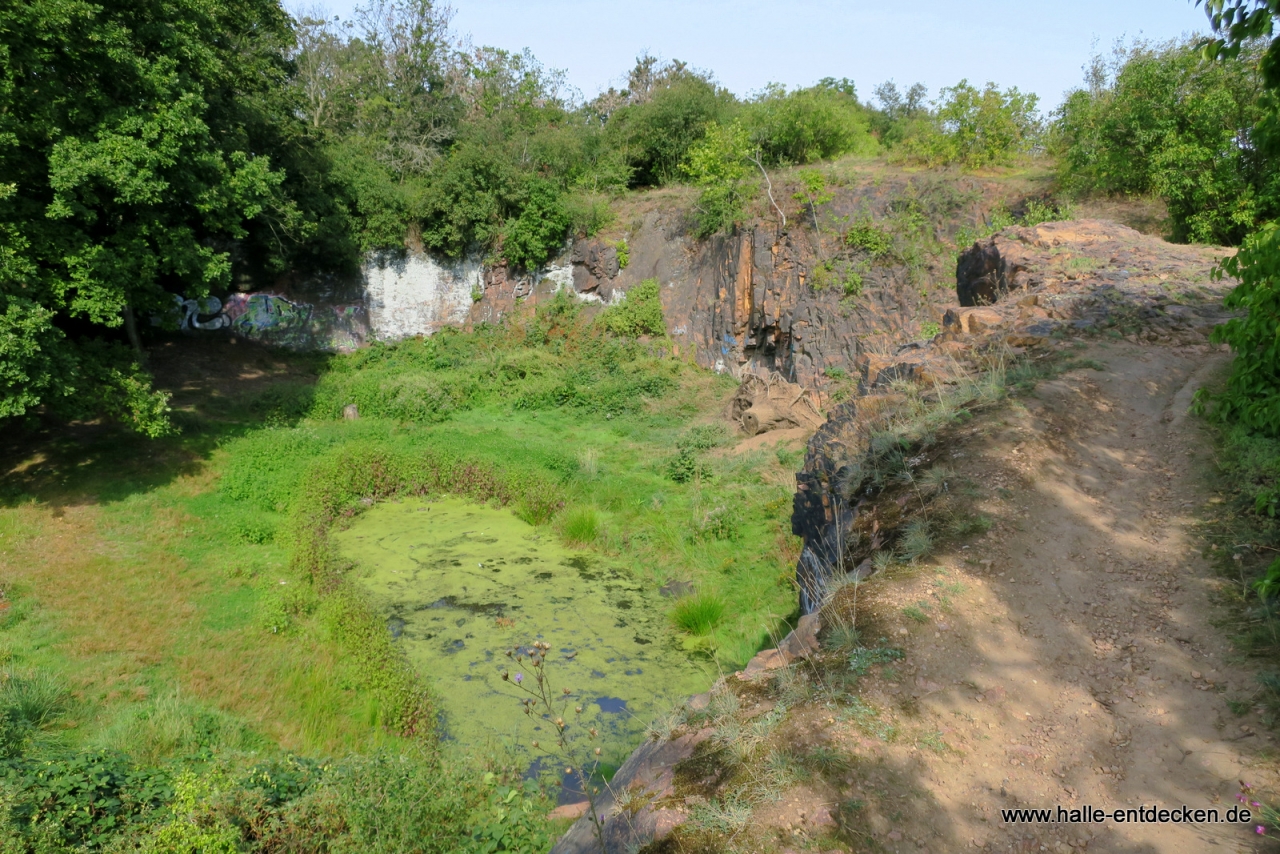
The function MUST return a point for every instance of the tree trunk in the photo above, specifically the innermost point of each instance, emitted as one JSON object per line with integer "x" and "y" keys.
{"x": 131, "y": 329}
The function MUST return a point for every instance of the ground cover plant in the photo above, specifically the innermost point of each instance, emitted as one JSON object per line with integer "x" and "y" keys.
{"x": 213, "y": 548}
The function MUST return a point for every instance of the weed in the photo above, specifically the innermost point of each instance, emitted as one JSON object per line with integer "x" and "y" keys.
{"x": 726, "y": 815}
{"x": 916, "y": 540}
{"x": 915, "y": 612}
{"x": 861, "y": 660}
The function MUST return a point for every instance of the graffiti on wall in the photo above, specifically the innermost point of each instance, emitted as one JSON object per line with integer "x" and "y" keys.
{"x": 276, "y": 320}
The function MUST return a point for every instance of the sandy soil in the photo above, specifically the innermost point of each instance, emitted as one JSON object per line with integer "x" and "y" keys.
{"x": 1068, "y": 657}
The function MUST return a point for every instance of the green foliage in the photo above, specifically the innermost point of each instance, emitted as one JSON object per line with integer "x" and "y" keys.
{"x": 868, "y": 237}
{"x": 84, "y": 798}
{"x": 975, "y": 128}
{"x": 624, "y": 253}
{"x": 720, "y": 523}
{"x": 140, "y": 140}
{"x": 718, "y": 166}
{"x": 639, "y": 313}
{"x": 807, "y": 125}
{"x": 538, "y": 232}
{"x": 687, "y": 466}
{"x": 581, "y": 526}
{"x": 657, "y": 135}
{"x": 698, "y": 614}
{"x": 1158, "y": 119}
{"x": 1252, "y": 394}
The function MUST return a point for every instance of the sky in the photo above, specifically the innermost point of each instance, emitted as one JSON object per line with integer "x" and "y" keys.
{"x": 1036, "y": 45}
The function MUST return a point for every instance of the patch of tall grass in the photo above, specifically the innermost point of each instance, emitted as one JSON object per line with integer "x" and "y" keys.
{"x": 700, "y": 613}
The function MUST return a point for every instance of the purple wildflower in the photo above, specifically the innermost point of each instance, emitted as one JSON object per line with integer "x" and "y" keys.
{"x": 1261, "y": 829}
{"x": 519, "y": 677}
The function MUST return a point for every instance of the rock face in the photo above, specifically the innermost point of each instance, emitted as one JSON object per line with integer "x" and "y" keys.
{"x": 1037, "y": 286}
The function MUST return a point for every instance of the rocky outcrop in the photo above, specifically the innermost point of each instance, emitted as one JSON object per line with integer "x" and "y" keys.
{"x": 1045, "y": 283}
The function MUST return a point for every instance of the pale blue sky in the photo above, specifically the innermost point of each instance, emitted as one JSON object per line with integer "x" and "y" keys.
{"x": 1037, "y": 45}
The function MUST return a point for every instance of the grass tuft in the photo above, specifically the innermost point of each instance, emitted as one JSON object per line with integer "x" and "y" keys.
{"x": 699, "y": 614}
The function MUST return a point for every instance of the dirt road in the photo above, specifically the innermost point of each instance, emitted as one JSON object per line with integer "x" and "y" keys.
{"x": 1068, "y": 656}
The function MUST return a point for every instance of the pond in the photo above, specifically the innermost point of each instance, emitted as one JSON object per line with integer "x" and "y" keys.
{"x": 460, "y": 583}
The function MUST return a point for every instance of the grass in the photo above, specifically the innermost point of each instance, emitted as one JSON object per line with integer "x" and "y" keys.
{"x": 152, "y": 605}
{"x": 699, "y": 614}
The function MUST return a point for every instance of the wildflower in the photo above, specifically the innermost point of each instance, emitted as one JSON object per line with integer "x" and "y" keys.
{"x": 1262, "y": 830}
{"x": 535, "y": 744}
{"x": 566, "y": 692}
{"x": 505, "y": 676}
{"x": 597, "y": 751}
{"x": 519, "y": 678}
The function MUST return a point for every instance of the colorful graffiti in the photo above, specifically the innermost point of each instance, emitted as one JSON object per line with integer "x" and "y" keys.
{"x": 276, "y": 320}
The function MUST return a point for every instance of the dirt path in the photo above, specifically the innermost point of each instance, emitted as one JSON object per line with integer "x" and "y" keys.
{"x": 1068, "y": 656}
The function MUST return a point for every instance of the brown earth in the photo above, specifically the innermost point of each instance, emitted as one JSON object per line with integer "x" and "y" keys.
{"x": 1068, "y": 657}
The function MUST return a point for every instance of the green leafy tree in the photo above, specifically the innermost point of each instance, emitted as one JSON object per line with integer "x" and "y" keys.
{"x": 136, "y": 141}
{"x": 978, "y": 127}
{"x": 806, "y": 125}
{"x": 718, "y": 166}
{"x": 1252, "y": 395}
{"x": 1158, "y": 119}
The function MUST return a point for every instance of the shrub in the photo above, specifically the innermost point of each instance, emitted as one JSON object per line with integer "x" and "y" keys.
{"x": 718, "y": 166}
{"x": 975, "y": 128}
{"x": 699, "y": 614}
{"x": 806, "y": 125}
{"x": 538, "y": 232}
{"x": 657, "y": 135}
{"x": 1157, "y": 119}
{"x": 639, "y": 313}
{"x": 1252, "y": 394}
{"x": 870, "y": 238}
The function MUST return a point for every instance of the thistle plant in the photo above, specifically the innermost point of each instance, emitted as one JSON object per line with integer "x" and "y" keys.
{"x": 542, "y": 700}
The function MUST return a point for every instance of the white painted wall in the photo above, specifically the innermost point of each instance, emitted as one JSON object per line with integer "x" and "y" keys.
{"x": 414, "y": 294}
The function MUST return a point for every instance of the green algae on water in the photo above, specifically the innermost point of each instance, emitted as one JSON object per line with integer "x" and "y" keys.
{"x": 459, "y": 584}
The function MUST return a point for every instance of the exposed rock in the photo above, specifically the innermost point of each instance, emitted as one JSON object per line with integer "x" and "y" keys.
{"x": 1069, "y": 278}
{"x": 573, "y": 811}
{"x": 648, "y": 777}
{"x": 763, "y": 404}
{"x": 801, "y": 642}
{"x": 983, "y": 274}
{"x": 351, "y": 412}
{"x": 595, "y": 265}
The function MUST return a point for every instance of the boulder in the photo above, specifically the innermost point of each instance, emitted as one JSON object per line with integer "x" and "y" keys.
{"x": 985, "y": 272}
{"x": 764, "y": 404}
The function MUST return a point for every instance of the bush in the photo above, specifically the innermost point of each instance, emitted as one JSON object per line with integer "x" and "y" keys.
{"x": 538, "y": 232}
{"x": 870, "y": 238}
{"x": 975, "y": 128}
{"x": 1252, "y": 395}
{"x": 581, "y": 526}
{"x": 807, "y": 125}
{"x": 657, "y": 135}
{"x": 718, "y": 166}
{"x": 639, "y": 313}
{"x": 1157, "y": 119}
{"x": 699, "y": 614}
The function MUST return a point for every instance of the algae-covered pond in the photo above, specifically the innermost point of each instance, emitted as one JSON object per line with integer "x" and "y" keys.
{"x": 461, "y": 583}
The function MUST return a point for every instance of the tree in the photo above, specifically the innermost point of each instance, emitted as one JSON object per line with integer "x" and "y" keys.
{"x": 718, "y": 165}
{"x": 976, "y": 128}
{"x": 135, "y": 149}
